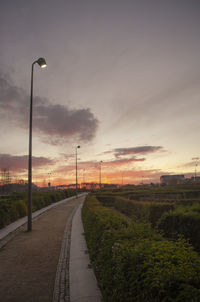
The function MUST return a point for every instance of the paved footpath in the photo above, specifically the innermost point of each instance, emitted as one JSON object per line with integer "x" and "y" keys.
{"x": 34, "y": 266}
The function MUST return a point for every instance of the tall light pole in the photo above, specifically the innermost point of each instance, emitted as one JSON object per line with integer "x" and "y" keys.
{"x": 77, "y": 147}
{"x": 49, "y": 183}
{"x": 195, "y": 172}
{"x": 100, "y": 174}
{"x": 122, "y": 179}
{"x": 83, "y": 177}
{"x": 42, "y": 63}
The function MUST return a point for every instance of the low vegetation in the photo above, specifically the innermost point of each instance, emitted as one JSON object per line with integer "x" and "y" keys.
{"x": 132, "y": 259}
{"x": 136, "y": 210}
{"x": 185, "y": 221}
{"x": 14, "y": 206}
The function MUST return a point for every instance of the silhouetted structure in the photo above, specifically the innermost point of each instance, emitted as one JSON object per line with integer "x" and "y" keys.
{"x": 172, "y": 179}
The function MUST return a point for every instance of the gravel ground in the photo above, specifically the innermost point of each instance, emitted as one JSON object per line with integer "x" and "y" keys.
{"x": 28, "y": 262}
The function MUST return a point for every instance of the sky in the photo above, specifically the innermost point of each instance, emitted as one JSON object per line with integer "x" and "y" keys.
{"x": 122, "y": 81}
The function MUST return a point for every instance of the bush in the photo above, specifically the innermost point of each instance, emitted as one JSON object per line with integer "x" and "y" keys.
{"x": 21, "y": 208}
{"x": 136, "y": 210}
{"x": 156, "y": 271}
{"x": 182, "y": 221}
{"x": 134, "y": 263}
{"x": 11, "y": 211}
{"x": 15, "y": 206}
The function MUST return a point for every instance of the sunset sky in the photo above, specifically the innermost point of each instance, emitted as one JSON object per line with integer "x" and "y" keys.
{"x": 122, "y": 81}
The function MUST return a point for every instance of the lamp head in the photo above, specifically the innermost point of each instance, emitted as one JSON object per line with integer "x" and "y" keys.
{"x": 78, "y": 146}
{"x": 42, "y": 62}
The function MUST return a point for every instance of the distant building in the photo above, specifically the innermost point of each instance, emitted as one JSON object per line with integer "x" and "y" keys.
{"x": 91, "y": 185}
{"x": 194, "y": 179}
{"x": 172, "y": 179}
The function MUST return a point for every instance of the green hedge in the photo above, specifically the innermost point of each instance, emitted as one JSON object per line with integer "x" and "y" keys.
{"x": 155, "y": 271}
{"x": 136, "y": 210}
{"x": 11, "y": 211}
{"x": 134, "y": 263}
{"x": 171, "y": 194}
{"x": 184, "y": 221}
{"x": 15, "y": 206}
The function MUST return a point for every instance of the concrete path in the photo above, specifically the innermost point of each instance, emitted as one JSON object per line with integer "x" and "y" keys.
{"x": 83, "y": 283}
{"x": 74, "y": 280}
{"x": 10, "y": 230}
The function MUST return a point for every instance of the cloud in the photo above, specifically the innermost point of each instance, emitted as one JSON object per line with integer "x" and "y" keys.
{"x": 136, "y": 150}
{"x": 196, "y": 158}
{"x": 178, "y": 98}
{"x": 60, "y": 122}
{"x": 20, "y": 163}
{"x": 122, "y": 162}
{"x": 93, "y": 166}
{"x": 133, "y": 176}
{"x": 194, "y": 163}
{"x": 53, "y": 121}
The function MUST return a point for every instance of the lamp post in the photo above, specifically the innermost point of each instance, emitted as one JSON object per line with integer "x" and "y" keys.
{"x": 122, "y": 179}
{"x": 195, "y": 171}
{"x": 100, "y": 174}
{"x": 83, "y": 177}
{"x": 42, "y": 63}
{"x": 49, "y": 183}
{"x": 77, "y": 147}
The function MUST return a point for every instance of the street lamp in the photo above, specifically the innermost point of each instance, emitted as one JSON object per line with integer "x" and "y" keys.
{"x": 42, "y": 63}
{"x": 77, "y": 147}
{"x": 100, "y": 174}
{"x": 49, "y": 183}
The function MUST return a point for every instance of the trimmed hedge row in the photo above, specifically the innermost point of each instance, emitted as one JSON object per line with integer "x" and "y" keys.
{"x": 15, "y": 206}
{"x": 182, "y": 221}
{"x": 168, "y": 194}
{"x": 11, "y": 211}
{"x": 136, "y": 210}
{"x": 134, "y": 263}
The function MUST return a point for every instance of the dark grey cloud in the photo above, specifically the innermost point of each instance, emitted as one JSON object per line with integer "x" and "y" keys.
{"x": 56, "y": 122}
{"x": 20, "y": 163}
{"x": 122, "y": 161}
{"x": 136, "y": 150}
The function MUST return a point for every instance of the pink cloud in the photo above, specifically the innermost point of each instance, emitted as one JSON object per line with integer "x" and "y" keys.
{"x": 20, "y": 163}
{"x": 136, "y": 150}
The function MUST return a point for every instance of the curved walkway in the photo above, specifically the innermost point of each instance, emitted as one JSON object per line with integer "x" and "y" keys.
{"x": 35, "y": 265}
{"x": 83, "y": 284}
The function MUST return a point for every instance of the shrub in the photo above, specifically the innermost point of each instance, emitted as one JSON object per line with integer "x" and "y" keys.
{"x": 134, "y": 263}
{"x": 136, "y": 210}
{"x": 21, "y": 208}
{"x": 11, "y": 211}
{"x": 156, "y": 271}
{"x": 15, "y": 206}
{"x": 182, "y": 221}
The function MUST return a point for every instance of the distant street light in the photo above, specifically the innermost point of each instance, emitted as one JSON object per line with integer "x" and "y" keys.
{"x": 49, "y": 183}
{"x": 83, "y": 177}
{"x": 122, "y": 179}
{"x": 42, "y": 63}
{"x": 100, "y": 174}
{"x": 77, "y": 147}
{"x": 195, "y": 172}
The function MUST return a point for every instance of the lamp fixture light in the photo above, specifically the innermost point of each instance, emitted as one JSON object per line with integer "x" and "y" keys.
{"x": 41, "y": 62}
